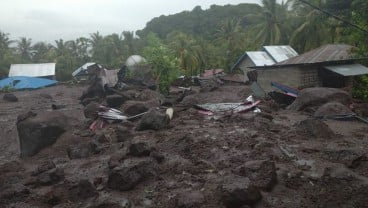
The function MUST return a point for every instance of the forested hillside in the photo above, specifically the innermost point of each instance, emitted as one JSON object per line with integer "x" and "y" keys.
{"x": 198, "y": 22}
{"x": 192, "y": 41}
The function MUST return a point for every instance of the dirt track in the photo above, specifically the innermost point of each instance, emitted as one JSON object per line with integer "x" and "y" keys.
{"x": 293, "y": 165}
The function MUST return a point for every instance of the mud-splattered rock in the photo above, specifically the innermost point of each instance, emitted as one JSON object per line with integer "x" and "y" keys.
{"x": 139, "y": 149}
{"x": 37, "y": 131}
{"x": 123, "y": 134}
{"x": 153, "y": 120}
{"x": 115, "y": 101}
{"x": 84, "y": 190}
{"x": 129, "y": 174}
{"x": 236, "y": 191}
{"x": 332, "y": 108}
{"x": 10, "y": 97}
{"x": 317, "y": 96}
{"x": 190, "y": 199}
{"x": 90, "y": 111}
{"x": 262, "y": 173}
{"x": 82, "y": 151}
{"x": 133, "y": 108}
{"x": 15, "y": 193}
{"x": 315, "y": 128}
{"x": 45, "y": 166}
{"x": 50, "y": 177}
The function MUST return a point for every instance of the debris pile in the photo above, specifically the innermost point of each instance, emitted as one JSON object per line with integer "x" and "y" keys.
{"x": 228, "y": 145}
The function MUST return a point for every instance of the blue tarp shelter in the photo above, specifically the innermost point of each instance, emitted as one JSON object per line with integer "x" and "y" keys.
{"x": 21, "y": 82}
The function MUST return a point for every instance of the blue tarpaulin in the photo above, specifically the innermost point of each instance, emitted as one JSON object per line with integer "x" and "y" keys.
{"x": 21, "y": 82}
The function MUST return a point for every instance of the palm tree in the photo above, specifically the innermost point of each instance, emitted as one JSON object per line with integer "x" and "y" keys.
{"x": 186, "y": 51}
{"x": 129, "y": 42}
{"x": 41, "y": 52}
{"x": 271, "y": 28}
{"x": 24, "y": 48}
{"x": 314, "y": 28}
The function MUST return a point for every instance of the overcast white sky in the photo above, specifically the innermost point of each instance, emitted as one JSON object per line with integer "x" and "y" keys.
{"x": 48, "y": 20}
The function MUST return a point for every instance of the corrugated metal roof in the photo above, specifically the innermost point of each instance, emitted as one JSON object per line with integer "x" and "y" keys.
{"x": 326, "y": 53}
{"x": 32, "y": 70}
{"x": 82, "y": 69}
{"x": 348, "y": 69}
{"x": 281, "y": 52}
{"x": 260, "y": 58}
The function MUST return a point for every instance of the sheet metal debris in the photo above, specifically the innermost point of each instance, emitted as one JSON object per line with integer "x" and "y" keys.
{"x": 344, "y": 117}
{"x": 211, "y": 108}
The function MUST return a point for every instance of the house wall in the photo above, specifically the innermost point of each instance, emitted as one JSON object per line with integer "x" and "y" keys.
{"x": 243, "y": 66}
{"x": 293, "y": 76}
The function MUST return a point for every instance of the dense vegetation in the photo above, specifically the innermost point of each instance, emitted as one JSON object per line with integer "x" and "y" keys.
{"x": 191, "y": 41}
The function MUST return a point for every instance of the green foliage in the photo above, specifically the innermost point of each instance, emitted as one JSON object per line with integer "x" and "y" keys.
{"x": 361, "y": 88}
{"x": 162, "y": 60}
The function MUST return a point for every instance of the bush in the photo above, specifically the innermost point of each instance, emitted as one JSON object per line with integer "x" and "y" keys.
{"x": 360, "y": 89}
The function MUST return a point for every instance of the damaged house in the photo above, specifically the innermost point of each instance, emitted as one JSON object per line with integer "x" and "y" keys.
{"x": 330, "y": 65}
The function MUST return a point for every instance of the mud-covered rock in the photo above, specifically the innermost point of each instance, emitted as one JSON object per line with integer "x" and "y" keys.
{"x": 153, "y": 120}
{"x": 315, "y": 128}
{"x": 317, "y": 96}
{"x": 236, "y": 191}
{"x": 45, "y": 166}
{"x": 332, "y": 108}
{"x": 123, "y": 134}
{"x": 130, "y": 173}
{"x": 10, "y": 97}
{"x": 50, "y": 177}
{"x": 37, "y": 131}
{"x": 82, "y": 151}
{"x": 83, "y": 190}
{"x": 115, "y": 101}
{"x": 190, "y": 199}
{"x": 139, "y": 149}
{"x": 262, "y": 173}
{"x": 14, "y": 193}
{"x": 133, "y": 108}
{"x": 90, "y": 111}
{"x": 350, "y": 158}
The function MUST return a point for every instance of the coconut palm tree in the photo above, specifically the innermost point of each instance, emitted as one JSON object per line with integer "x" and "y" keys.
{"x": 24, "y": 48}
{"x": 314, "y": 29}
{"x": 271, "y": 27}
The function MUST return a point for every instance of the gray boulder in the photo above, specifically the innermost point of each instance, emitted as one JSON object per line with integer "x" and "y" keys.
{"x": 236, "y": 191}
{"x": 115, "y": 101}
{"x": 332, "y": 108}
{"x": 10, "y": 97}
{"x": 317, "y": 96}
{"x": 37, "y": 131}
{"x": 153, "y": 120}
{"x": 130, "y": 174}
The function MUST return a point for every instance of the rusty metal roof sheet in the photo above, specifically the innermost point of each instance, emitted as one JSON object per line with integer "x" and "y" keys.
{"x": 326, "y": 53}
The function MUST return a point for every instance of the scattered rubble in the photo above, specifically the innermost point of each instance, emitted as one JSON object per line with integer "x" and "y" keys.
{"x": 129, "y": 146}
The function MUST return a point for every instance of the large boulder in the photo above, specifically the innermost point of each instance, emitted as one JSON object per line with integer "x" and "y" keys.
{"x": 314, "y": 128}
{"x": 115, "y": 101}
{"x": 10, "y": 97}
{"x": 153, "y": 120}
{"x": 332, "y": 108}
{"x": 317, "y": 96}
{"x": 90, "y": 111}
{"x": 236, "y": 191}
{"x": 262, "y": 173}
{"x": 37, "y": 131}
{"x": 130, "y": 174}
{"x": 133, "y": 108}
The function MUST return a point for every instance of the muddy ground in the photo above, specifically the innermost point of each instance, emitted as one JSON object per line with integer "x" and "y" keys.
{"x": 198, "y": 161}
